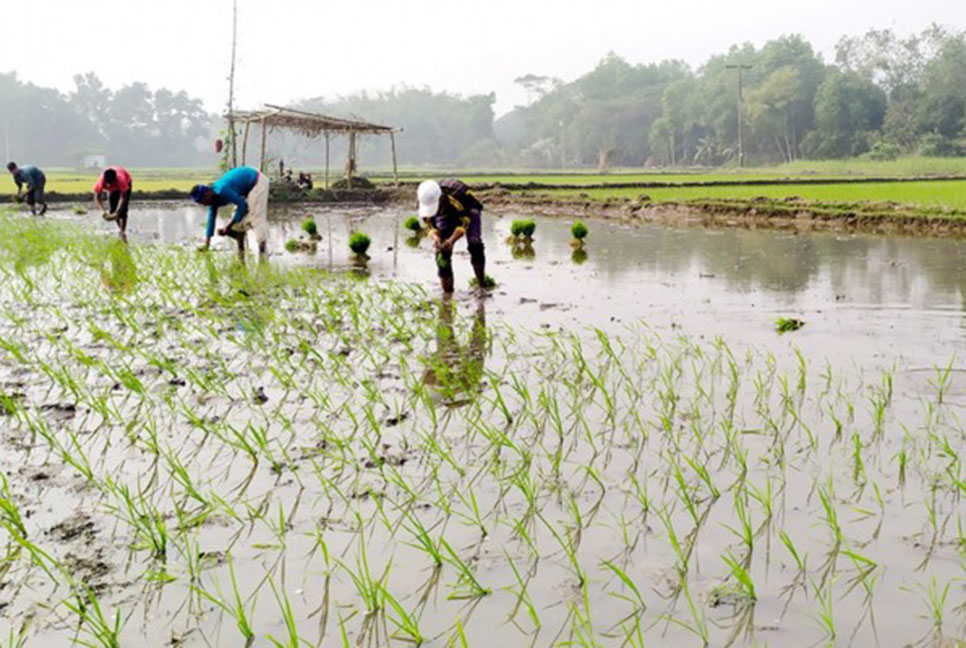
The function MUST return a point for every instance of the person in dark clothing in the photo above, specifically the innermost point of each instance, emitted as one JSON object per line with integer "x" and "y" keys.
{"x": 35, "y": 180}
{"x": 451, "y": 211}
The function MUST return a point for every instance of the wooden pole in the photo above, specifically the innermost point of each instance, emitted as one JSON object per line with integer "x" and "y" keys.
{"x": 231, "y": 85}
{"x": 326, "y": 160}
{"x": 395, "y": 172}
{"x": 351, "y": 163}
{"x": 261, "y": 164}
{"x": 248, "y": 124}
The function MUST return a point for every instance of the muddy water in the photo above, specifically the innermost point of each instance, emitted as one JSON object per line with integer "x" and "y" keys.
{"x": 870, "y": 298}
{"x": 867, "y": 302}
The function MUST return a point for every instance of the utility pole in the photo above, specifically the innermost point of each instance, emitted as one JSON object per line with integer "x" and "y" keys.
{"x": 231, "y": 85}
{"x": 741, "y": 143}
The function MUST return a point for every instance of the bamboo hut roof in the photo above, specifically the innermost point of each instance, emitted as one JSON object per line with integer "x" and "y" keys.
{"x": 309, "y": 124}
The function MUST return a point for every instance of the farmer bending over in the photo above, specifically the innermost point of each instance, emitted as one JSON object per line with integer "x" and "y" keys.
{"x": 247, "y": 189}
{"x": 451, "y": 211}
{"x": 117, "y": 183}
{"x": 35, "y": 180}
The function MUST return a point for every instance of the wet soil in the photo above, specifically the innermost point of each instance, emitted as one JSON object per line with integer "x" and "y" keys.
{"x": 569, "y": 404}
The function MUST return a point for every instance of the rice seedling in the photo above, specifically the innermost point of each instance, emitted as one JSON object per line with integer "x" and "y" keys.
{"x": 359, "y": 244}
{"x": 310, "y": 227}
{"x": 787, "y": 324}
{"x": 102, "y": 631}
{"x": 413, "y": 225}
{"x": 225, "y": 425}
{"x": 522, "y": 230}
{"x": 488, "y": 282}
{"x": 579, "y": 231}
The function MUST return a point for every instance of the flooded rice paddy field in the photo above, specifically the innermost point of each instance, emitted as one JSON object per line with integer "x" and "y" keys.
{"x": 613, "y": 452}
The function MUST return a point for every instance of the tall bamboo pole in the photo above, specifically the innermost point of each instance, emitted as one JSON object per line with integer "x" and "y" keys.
{"x": 261, "y": 164}
{"x": 231, "y": 85}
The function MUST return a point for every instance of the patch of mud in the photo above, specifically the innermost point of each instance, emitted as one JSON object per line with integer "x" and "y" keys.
{"x": 78, "y": 526}
{"x": 91, "y": 570}
{"x": 60, "y": 411}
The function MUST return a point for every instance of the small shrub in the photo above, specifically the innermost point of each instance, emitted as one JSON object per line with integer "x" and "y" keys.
{"x": 309, "y": 227}
{"x": 523, "y": 228}
{"x": 291, "y": 245}
{"x": 413, "y": 225}
{"x": 883, "y": 150}
{"x": 936, "y": 145}
{"x": 359, "y": 243}
{"x": 579, "y": 230}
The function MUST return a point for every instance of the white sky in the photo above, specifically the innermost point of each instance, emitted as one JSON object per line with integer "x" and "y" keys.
{"x": 293, "y": 49}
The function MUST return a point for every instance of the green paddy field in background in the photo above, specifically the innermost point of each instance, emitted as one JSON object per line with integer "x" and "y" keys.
{"x": 941, "y": 193}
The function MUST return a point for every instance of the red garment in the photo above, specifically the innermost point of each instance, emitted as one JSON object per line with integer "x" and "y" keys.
{"x": 123, "y": 181}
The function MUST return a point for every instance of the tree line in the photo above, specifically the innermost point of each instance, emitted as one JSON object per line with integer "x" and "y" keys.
{"x": 133, "y": 123}
{"x": 884, "y": 95}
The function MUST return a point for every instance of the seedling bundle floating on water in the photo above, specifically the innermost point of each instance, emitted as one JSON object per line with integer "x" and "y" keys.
{"x": 786, "y": 324}
{"x": 522, "y": 230}
{"x": 488, "y": 282}
{"x": 521, "y": 238}
{"x": 311, "y": 228}
{"x": 579, "y": 231}
{"x": 413, "y": 225}
{"x": 359, "y": 244}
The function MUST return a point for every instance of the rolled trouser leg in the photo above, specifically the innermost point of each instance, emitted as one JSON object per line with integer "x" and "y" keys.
{"x": 41, "y": 198}
{"x": 258, "y": 203}
{"x": 474, "y": 243}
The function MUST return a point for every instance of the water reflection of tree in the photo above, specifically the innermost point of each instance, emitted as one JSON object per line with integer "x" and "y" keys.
{"x": 455, "y": 371}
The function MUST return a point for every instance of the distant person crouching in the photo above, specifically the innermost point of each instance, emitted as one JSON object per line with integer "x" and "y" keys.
{"x": 35, "y": 180}
{"x": 117, "y": 183}
{"x": 247, "y": 189}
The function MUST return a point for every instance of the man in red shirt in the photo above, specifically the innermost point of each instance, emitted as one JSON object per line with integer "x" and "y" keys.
{"x": 117, "y": 183}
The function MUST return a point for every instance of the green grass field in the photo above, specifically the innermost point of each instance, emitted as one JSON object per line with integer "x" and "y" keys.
{"x": 812, "y": 169}
{"x": 942, "y": 193}
{"x": 69, "y": 181}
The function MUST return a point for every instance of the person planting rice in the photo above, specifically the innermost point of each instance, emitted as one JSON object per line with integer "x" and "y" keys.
{"x": 116, "y": 182}
{"x": 247, "y": 189}
{"x": 451, "y": 211}
{"x": 35, "y": 180}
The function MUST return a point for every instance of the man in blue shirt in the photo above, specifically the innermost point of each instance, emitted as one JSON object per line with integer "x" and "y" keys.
{"x": 247, "y": 189}
{"x": 35, "y": 180}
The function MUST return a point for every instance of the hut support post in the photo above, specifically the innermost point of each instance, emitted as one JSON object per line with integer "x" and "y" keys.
{"x": 350, "y": 166}
{"x": 327, "y": 160}
{"x": 395, "y": 170}
{"x": 248, "y": 124}
{"x": 261, "y": 164}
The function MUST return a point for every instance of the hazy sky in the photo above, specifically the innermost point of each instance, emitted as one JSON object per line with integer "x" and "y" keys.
{"x": 292, "y": 49}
